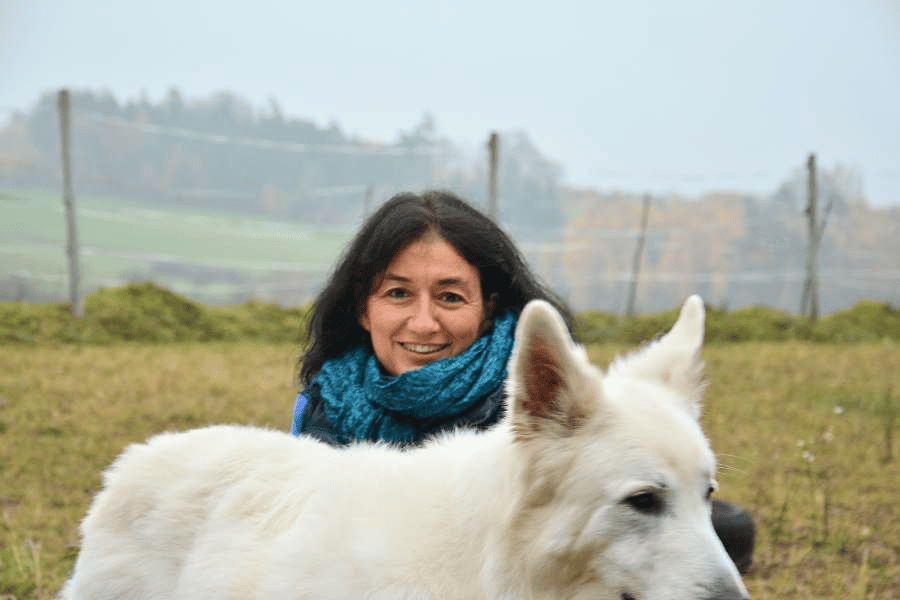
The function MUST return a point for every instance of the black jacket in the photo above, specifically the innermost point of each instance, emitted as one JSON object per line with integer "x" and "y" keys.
{"x": 482, "y": 415}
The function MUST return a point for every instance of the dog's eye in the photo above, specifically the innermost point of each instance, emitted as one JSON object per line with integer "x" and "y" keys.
{"x": 647, "y": 502}
{"x": 713, "y": 488}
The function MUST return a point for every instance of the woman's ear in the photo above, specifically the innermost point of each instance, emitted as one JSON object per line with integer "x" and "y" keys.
{"x": 489, "y": 307}
{"x": 364, "y": 321}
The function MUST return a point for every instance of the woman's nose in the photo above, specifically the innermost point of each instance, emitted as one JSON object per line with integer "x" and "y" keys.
{"x": 423, "y": 318}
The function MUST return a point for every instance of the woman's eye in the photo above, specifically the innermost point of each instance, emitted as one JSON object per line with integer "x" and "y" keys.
{"x": 397, "y": 293}
{"x": 451, "y": 298}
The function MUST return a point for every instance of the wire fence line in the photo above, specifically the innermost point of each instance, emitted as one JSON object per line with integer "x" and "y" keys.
{"x": 34, "y": 269}
{"x": 21, "y": 285}
{"x": 200, "y": 240}
{"x": 837, "y": 276}
{"x": 586, "y": 263}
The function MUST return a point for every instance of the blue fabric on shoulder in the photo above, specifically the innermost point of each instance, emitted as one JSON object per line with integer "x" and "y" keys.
{"x": 299, "y": 405}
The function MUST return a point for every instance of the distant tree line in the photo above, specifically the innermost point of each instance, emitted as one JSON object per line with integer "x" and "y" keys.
{"x": 221, "y": 153}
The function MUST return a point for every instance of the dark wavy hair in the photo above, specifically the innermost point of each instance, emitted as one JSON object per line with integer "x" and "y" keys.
{"x": 506, "y": 280}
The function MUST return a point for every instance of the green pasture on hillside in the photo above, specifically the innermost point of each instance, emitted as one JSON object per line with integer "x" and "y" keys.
{"x": 123, "y": 240}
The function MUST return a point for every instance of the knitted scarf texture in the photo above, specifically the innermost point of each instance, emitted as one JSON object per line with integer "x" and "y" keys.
{"x": 365, "y": 403}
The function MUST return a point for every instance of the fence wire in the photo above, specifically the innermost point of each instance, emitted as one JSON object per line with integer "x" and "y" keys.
{"x": 222, "y": 240}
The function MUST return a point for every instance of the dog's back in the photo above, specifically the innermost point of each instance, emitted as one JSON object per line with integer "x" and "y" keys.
{"x": 230, "y": 512}
{"x": 594, "y": 486}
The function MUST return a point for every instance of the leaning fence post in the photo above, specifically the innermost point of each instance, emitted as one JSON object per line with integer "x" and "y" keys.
{"x": 638, "y": 253}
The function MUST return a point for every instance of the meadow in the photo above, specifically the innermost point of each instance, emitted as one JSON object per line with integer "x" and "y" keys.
{"x": 803, "y": 418}
{"x": 804, "y": 432}
{"x": 124, "y": 240}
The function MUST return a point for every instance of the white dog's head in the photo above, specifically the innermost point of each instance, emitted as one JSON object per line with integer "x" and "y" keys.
{"x": 616, "y": 495}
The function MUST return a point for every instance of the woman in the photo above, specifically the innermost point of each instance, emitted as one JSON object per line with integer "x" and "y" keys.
{"x": 413, "y": 331}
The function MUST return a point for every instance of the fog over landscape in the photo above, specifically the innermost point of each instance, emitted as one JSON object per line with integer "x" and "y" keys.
{"x": 684, "y": 97}
{"x": 284, "y": 121}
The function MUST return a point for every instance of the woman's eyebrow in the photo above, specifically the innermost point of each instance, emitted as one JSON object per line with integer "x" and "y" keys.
{"x": 395, "y": 277}
{"x": 453, "y": 281}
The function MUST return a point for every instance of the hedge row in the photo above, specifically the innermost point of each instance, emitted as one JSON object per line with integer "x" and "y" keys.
{"x": 145, "y": 312}
{"x": 868, "y": 321}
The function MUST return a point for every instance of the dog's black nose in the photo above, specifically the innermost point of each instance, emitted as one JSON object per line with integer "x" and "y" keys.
{"x": 627, "y": 596}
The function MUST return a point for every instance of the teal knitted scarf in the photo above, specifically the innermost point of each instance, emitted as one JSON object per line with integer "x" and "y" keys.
{"x": 364, "y": 403}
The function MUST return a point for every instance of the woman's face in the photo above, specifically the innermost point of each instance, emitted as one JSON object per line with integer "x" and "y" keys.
{"x": 426, "y": 306}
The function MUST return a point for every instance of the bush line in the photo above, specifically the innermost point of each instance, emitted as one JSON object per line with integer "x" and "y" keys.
{"x": 145, "y": 312}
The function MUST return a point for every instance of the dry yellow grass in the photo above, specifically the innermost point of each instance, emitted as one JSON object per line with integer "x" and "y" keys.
{"x": 801, "y": 431}
{"x": 66, "y": 412}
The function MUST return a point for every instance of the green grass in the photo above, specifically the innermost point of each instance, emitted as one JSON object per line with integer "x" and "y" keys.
{"x": 122, "y": 240}
{"x": 800, "y": 429}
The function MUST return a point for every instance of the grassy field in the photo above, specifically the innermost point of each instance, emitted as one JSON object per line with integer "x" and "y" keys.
{"x": 805, "y": 434}
{"x": 122, "y": 240}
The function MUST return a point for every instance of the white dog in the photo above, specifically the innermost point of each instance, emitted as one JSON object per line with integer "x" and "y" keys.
{"x": 596, "y": 485}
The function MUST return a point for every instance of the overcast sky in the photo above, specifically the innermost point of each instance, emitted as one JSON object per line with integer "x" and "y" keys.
{"x": 657, "y": 96}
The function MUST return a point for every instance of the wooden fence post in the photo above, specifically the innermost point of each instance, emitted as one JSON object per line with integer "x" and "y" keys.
{"x": 809, "y": 289}
{"x": 809, "y": 300}
{"x": 69, "y": 201}
{"x": 493, "y": 150}
{"x": 638, "y": 253}
{"x": 367, "y": 202}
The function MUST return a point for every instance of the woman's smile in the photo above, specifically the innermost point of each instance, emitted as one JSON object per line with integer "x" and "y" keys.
{"x": 424, "y": 349}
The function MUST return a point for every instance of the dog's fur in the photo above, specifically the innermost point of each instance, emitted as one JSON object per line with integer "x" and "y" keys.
{"x": 594, "y": 486}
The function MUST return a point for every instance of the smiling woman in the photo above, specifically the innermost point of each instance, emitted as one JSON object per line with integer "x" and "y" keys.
{"x": 413, "y": 331}
{"x": 427, "y": 306}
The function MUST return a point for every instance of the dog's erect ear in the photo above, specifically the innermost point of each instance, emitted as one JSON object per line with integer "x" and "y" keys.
{"x": 544, "y": 386}
{"x": 674, "y": 359}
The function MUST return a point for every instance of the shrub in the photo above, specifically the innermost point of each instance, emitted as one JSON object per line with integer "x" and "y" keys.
{"x": 256, "y": 320}
{"x": 751, "y": 323}
{"x": 867, "y": 321}
{"x": 595, "y": 327}
{"x": 145, "y": 312}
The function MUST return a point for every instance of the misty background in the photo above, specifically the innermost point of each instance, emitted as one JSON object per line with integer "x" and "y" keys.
{"x": 229, "y": 151}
